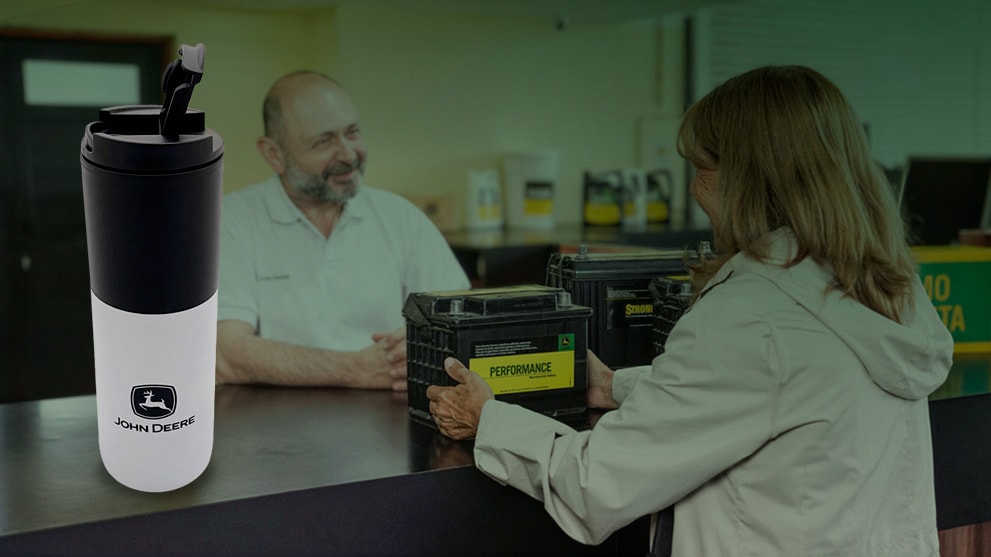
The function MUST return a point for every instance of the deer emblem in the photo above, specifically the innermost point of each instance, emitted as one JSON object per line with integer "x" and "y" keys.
{"x": 149, "y": 403}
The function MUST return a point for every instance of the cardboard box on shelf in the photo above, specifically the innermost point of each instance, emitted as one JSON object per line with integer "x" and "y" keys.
{"x": 976, "y": 236}
{"x": 442, "y": 209}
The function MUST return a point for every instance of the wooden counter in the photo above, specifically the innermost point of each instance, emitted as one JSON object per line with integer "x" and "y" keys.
{"x": 345, "y": 472}
{"x": 294, "y": 471}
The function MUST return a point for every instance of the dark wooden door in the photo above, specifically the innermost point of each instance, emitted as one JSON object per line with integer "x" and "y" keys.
{"x": 45, "y": 321}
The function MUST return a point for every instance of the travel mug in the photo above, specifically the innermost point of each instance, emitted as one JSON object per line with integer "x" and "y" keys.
{"x": 152, "y": 183}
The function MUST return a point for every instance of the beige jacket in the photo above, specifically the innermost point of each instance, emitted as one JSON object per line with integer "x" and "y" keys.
{"x": 781, "y": 421}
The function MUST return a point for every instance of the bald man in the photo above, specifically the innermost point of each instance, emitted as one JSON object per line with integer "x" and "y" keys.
{"x": 315, "y": 265}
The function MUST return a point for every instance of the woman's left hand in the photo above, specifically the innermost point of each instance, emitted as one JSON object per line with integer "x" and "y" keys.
{"x": 456, "y": 410}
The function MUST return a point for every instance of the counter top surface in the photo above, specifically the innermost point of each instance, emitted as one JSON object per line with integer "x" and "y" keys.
{"x": 266, "y": 441}
{"x": 970, "y": 375}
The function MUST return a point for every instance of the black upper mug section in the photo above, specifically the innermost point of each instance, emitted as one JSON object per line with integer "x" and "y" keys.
{"x": 152, "y": 209}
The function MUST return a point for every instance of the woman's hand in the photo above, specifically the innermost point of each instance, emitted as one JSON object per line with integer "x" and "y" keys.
{"x": 599, "y": 384}
{"x": 456, "y": 410}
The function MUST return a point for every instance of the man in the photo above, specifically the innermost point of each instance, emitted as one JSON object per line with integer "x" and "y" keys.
{"x": 314, "y": 265}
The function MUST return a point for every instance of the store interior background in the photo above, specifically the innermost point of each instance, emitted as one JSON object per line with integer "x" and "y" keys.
{"x": 448, "y": 86}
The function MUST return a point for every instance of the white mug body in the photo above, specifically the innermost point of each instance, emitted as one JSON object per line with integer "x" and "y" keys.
{"x": 155, "y": 385}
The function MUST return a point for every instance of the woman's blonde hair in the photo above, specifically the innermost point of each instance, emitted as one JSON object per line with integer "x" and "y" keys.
{"x": 791, "y": 153}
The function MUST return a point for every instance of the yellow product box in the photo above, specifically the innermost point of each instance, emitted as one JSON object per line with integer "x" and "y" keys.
{"x": 958, "y": 281}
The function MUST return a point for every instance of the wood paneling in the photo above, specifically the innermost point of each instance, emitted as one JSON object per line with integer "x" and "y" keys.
{"x": 973, "y": 540}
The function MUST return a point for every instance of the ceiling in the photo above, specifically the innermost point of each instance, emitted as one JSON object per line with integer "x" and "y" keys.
{"x": 603, "y": 11}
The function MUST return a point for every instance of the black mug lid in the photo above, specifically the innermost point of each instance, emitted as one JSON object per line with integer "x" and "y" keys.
{"x": 152, "y": 139}
{"x": 127, "y": 139}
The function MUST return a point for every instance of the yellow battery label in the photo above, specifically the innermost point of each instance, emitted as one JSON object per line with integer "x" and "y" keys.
{"x": 526, "y": 365}
{"x": 628, "y": 307}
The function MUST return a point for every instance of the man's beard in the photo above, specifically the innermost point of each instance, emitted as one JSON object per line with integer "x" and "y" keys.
{"x": 316, "y": 187}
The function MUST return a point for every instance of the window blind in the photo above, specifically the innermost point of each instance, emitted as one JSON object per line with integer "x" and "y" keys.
{"x": 917, "y": 72}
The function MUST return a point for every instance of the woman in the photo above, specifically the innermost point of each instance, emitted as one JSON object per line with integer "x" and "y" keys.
{"x": 788, "y": 413}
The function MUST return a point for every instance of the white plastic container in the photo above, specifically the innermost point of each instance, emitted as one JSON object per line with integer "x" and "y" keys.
{"x": 634, "y": 198}
{"x": 483, "y": 200}
{"x": 530, "y": 179}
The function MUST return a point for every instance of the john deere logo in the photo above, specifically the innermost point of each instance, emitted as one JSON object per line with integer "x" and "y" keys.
{"x": 153, "y": 402}
{"x": 566, "y": 341}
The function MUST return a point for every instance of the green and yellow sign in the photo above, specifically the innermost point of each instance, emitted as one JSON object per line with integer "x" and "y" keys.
{"x": 958, "y": 281}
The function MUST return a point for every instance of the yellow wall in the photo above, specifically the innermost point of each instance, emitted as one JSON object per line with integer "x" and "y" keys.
{"x": 439, "y": 94}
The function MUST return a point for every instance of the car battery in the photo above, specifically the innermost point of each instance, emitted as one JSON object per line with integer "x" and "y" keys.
{"x": 615, "y": 285}
{"x": 671, "y": 296}
{"x": 529, "y": 343}
{"x": 957, "y": 279}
